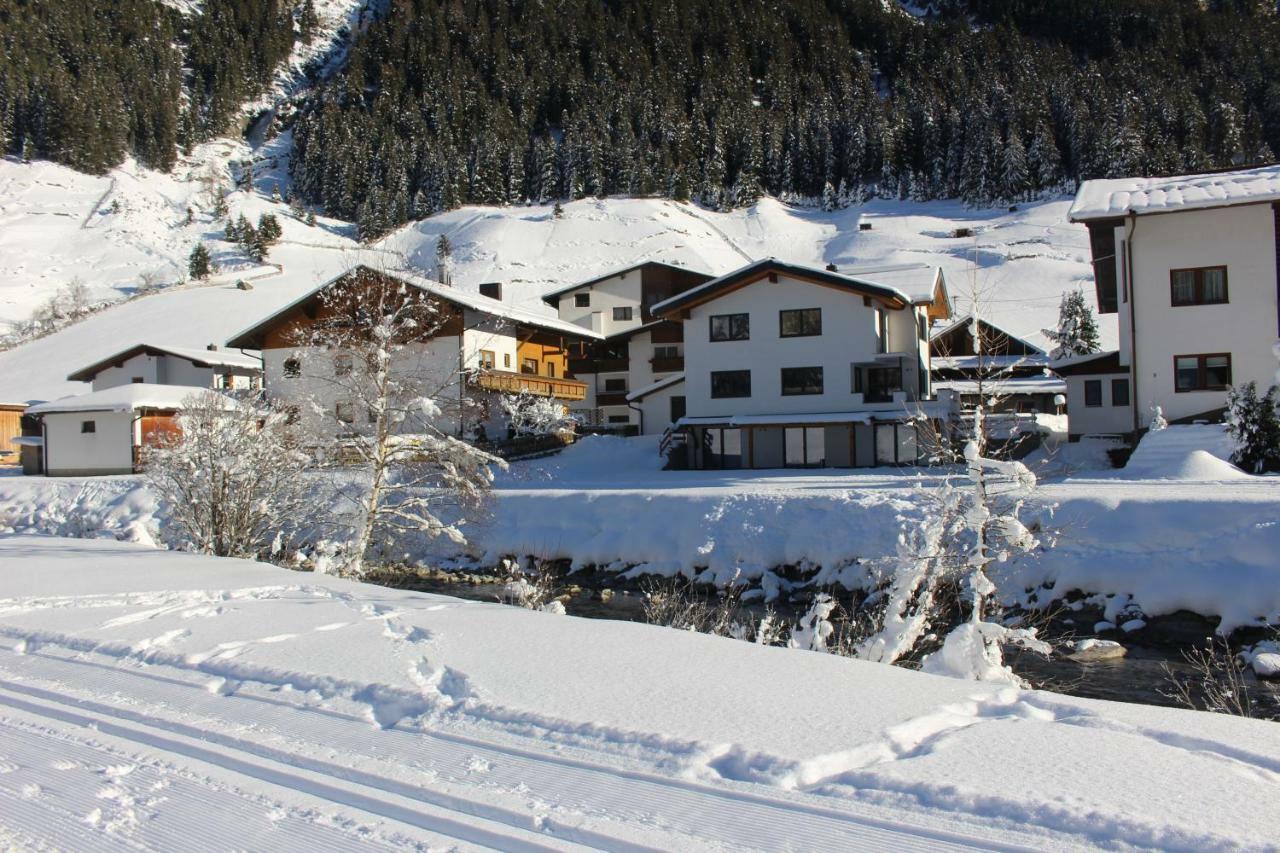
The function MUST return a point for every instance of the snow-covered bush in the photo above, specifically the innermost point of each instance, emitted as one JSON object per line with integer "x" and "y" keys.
{"x": 1254, "y": 423}
{"x": 532, "y": 414}
{"x": 231, "y": 476}
{"x": 533, "y": 588}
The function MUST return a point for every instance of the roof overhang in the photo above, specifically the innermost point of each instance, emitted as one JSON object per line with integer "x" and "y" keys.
{"x": 553, "y": 297}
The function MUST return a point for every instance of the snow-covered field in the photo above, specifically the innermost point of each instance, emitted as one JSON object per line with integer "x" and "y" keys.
{"x": 150, "y": 698}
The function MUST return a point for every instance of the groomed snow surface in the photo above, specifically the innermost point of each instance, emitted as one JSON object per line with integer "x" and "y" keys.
{"x": 149, "y": 698}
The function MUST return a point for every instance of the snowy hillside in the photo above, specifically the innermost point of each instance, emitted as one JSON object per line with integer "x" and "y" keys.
{"x": 110, "y": 233}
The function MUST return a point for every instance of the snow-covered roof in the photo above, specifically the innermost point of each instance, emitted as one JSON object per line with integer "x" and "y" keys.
{"x": 1112, "y": 197}
{"x": 978, "y": 362}
{"x": 1010, "y": 385}
{"x": 641, "y": 393}
{"x": 198, "y": 356}
{"x": 884, "y": 282}
{"x": 920, "y": 281}
{"x": 127, "y": 398}
{"x": 474, "y": 301}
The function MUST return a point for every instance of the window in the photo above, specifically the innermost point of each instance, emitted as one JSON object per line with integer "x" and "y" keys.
{"x": 344, "y": 411}
{"x": 1202, "y": 286}
{"x": 622, "y": 312}
{"x": 882, "y": 331}
{"x": 1093, "y": 393}
{"x": 372, "y": 415}
{"x": 551, "y": 369}
{"x": 487, "y": 359}
{"x": 881, "y": 384}
{"x": 730, "y": 327}
{"x": 923, "y": 324}
{"x": 137, "y": 380}
{"x": 506, "y": 360}
{"x": 801, "y": 380}
{"x": 342, "y": 364}
{"x": 1202, "y": 372}
{"x": 292, "y": 415}
{"x": 615, "y": 386}
{"x": 619, "y": 419}
{"x": 800, "y": 323}
{"x": 1119, "y": 392}
{"x": 529, "y": 366}
{"x": 666, "y": 352}
{"x": 88, "y": 426}
{"x": 677, "y": 408}
{"x": 582, "y": 300}
{"x": 292, "y": 368}
{"x": 730, "y": 383}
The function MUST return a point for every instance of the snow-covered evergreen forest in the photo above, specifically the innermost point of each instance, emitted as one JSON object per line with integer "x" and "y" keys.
{"x": 443, "y": 104}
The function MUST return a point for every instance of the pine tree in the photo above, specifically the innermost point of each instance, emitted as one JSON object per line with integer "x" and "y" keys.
{"x": 1254, "y": 423}
{"x": 307, "y": 21}
{"x": 444, "y": 252}
{"x": 1077, "y": 332}
{"x": 199, "y": 264}
{"x": 828, "y": 197}
{"x": 557, "y": 212}
{"x": 1014, "y": 174}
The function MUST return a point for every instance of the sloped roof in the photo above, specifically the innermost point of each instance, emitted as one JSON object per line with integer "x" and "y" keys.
{"x": 474, "y": 301}
{"x": 552, "y": 297}
{"x": 1112, "y": 197}
{"x": 866, "y": 285}
{"x": 940, "y": 331}
{"x": 127, "y": 398}
{"x": 198, "y": 357}
{"x": 641, "y": 393}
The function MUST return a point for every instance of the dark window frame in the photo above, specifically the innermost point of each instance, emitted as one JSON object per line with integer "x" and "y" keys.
{"x": 292, "y": 368}
{"x": 1202, "y": 372}
{"x": 1198, "y": 287}
{"x": 623, "y": 313}
{"x": 1116, "y": 385}
{"x": 582, "y": 300}
{"x": 615, "y": 386}
{"x": 87, "y": 427}
{"x": 804, "y": 314}
{"x": 488, "y": 359}
{"x": 724, "y": 393}
{"x": 666, "y": 351}
{"x": 802, "y": 388}
{"x": 343, "y": 364}
{"x": 1093, "y": 384}
{"x": 745, "y": 328}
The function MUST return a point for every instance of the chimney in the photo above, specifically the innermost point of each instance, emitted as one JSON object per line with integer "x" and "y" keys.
{"x": 211, "y": 347}
{"x": 832, "y": 268}
{"x": 491, "y": 289}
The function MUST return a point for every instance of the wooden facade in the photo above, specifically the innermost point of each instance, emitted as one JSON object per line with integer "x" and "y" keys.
{"x": 10, "y": 428}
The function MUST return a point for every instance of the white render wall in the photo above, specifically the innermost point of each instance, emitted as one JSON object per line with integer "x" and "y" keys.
{"x": 1098, "y": 420}
{"x": 108, "y": 450}
{"x": 848, "y": 336}
{"x": 1243, "y": 239}
{"x": 434, "y": 364}
{"x": 624, "y": 291}
{"x": 164, "y": 370}
{"x": 483, "y": 332}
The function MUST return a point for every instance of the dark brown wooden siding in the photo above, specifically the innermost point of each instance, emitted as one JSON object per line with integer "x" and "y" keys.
{"x": 660, "y": 282}
{"x": 1102, "y": 244}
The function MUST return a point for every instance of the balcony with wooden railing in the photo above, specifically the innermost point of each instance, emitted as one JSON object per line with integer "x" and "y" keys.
{"x": 509, "y": 382}
{"x": 667, "y": 363}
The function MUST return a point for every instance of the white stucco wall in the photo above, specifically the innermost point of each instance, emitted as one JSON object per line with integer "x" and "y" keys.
{"x": 1243, "y": 239}
{"x": 622, "y": 291}
{"x": 1097, "y": 420}
{"x": 848, "y": 336}
{"x": 657, "y": 409}
{"x": 433, "y": 366}
{"x": 488, "y": 333}
{"x": 107, "y": 450}
{"x": 167, "y": 370}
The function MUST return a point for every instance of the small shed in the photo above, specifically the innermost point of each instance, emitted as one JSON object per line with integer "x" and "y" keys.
{"x": 102, "y": 432}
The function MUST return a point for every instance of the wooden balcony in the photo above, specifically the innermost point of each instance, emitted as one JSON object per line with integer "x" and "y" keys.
{"x": 507, "y": 382}
{"x": 668, "y": 364}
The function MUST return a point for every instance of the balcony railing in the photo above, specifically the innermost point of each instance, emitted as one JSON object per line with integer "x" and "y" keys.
{"x": 507, "y": 382}
{"x": 667, "y": 364}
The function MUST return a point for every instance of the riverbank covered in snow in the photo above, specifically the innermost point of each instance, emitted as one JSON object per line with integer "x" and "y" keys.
{"x": 1179, "y": 529}
{"x": 150, "y": 696}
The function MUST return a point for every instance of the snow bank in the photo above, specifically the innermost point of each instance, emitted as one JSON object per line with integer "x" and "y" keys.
{"x": 1185, "y": 452}
{"x": 383, "y": 710}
